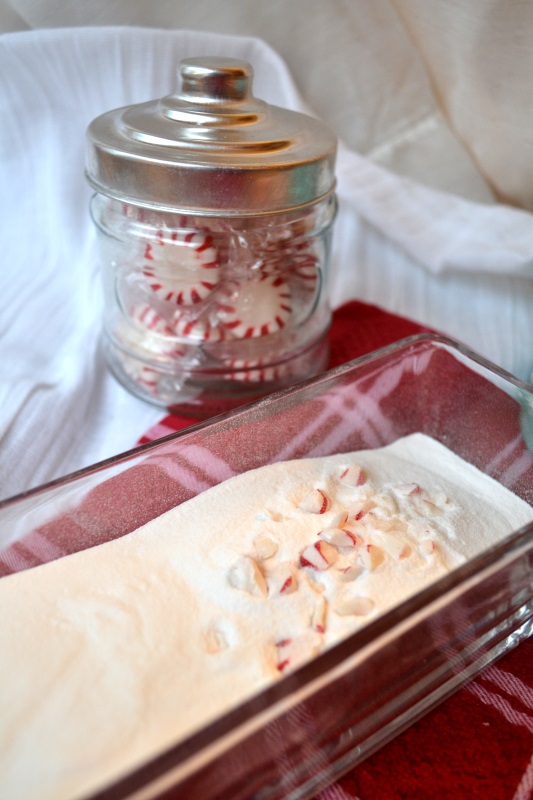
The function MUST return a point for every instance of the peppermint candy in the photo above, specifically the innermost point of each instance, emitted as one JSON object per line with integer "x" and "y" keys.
{"x": 182, "y": 268}
{"x": 147, "y": 317}
{"x": 257, "y": 308}
{"x": 146, "y": 377}
{"x": 197, "y": 329}
{"x": 256, "y": 370}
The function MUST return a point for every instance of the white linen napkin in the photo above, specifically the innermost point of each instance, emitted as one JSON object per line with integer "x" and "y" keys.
{"x": 60, "y": 408}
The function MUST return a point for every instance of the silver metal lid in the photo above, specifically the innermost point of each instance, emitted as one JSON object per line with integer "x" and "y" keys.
{"x": 212, "y": 148}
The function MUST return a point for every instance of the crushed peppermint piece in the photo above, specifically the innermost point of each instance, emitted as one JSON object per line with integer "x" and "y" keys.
{"x": 246, "y": 576}
{"x": 215, "y": 641}
{"x": 318, "y": 619}
{"x": 342, "y": 563}
{"x": 370, "y": 556}
{"x": 296, "y": 650}
{"x": 425, "y": 507}
{"x": 315, "y": 502}
{"x": 340, "y": 537}
{"x": 338, "y": 520}
{"x": 360, "y": 509}
{"x": 353, "y": 476}
{"x": 265, "y": 547}
{"x": 427, "y": 547}
{"x": 282, "y": 579}
{"x": 406, "y": 489}
{"x": 351, "y": 573}
{"x": 320, "y": 555}
{"x": 396, "y": 547}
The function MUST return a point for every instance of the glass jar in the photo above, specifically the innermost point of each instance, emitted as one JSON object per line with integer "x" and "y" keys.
{"x": 215, "y": 214}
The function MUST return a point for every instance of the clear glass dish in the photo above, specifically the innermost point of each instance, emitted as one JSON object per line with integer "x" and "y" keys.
{"x": 297, "y": 736}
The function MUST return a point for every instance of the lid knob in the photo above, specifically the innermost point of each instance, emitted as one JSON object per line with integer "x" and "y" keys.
{"x": 208, "y": 80}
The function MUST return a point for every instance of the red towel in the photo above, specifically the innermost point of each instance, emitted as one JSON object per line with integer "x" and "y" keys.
{"x": 478, "y": 743}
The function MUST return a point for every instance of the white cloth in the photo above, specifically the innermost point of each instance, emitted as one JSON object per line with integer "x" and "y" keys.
{"x": 438, "y": 91}
{"x": 457, "y": 264}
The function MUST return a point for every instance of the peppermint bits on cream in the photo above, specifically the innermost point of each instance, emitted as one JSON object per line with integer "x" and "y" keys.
{"x": 239, "y": 587}
{"x": 337, "y": 541}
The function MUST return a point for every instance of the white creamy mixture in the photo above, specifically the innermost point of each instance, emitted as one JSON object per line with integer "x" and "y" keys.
{"x": 110, "y": 655}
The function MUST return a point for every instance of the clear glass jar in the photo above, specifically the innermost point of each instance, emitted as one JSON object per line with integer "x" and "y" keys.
{"x": 214, "y": 211}
{"x": 203, "y": 313}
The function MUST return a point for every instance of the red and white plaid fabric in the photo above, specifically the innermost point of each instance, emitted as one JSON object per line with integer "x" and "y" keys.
{"x": 479, "y": 742}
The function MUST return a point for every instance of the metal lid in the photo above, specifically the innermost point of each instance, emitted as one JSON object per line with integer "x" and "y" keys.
{"x": 211, "y": 147}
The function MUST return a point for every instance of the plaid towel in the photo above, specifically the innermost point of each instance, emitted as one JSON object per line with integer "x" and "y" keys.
{"x": 479, "y": 742}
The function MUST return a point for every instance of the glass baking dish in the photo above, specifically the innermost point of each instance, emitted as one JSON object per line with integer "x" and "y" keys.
{"x": 297, "y": 736}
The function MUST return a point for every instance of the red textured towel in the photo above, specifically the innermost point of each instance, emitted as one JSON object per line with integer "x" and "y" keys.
{"x": 478, "y": 743}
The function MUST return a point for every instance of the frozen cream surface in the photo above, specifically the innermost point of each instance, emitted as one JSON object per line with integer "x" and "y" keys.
{"x": 111, "y": 655}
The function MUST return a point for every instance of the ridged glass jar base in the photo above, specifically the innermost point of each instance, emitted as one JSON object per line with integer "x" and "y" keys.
{"x": 205, "y": 392}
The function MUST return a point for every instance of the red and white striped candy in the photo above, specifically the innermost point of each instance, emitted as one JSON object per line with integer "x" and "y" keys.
{"x": 283, "y": 579}
{"x": 340, "y": 537}
{"x": 197, "y": 329}
{"x": 306, "y": 274}
{"x": 295, "y": 259}
{"x": 183, "y": 268}
{"x": 256, "y": 370}
{"x": 301, "y": 276}
{"x": 148, "y": 317}
{"x": 314, "y": 502}
{"x": 257, "y": 308}
{"x": 147, "y": 377}
{"x": 353, "y": 475}
{"x": 320, "y": 555}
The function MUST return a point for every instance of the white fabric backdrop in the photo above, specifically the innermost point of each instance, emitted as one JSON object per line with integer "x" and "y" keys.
{"x": 436, "y": 90}
{"x": 423, "y": 237}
